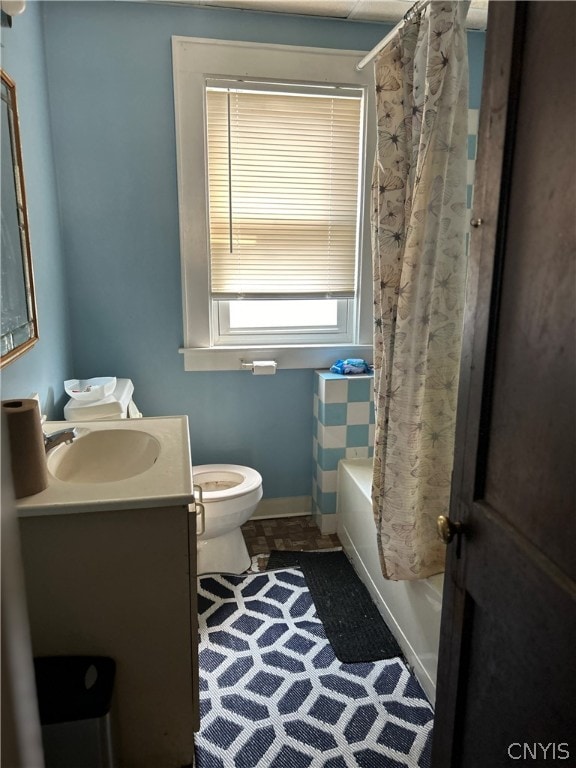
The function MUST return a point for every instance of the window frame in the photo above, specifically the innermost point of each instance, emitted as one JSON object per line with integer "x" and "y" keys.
{"x": 223, "y": 334}
{"x": 196, "y": 60}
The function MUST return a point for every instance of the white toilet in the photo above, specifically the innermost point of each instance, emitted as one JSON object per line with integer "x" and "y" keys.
{"x": 229, "y": 492}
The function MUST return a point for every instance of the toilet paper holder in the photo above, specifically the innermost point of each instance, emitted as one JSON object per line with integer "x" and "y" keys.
{"x": 259, "y": 367}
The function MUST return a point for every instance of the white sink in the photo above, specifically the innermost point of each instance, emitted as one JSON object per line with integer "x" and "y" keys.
{"x": 112, "y": 465}
{"x": 105, "y": 456}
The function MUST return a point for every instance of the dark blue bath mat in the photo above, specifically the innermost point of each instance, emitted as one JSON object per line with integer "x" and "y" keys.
{"x": 273, "y": 695}
{"x": 353, "y": 624}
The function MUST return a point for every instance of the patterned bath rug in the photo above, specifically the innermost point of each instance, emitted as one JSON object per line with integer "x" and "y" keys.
{"x": 352, "y": 622}
{"x": 273, "y": 694}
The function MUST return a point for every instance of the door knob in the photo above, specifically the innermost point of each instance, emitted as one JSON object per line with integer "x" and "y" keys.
{"x": 447, "y": 529}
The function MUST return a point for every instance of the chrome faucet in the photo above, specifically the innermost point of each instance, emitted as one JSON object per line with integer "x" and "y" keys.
{"x": 57, "y": 438}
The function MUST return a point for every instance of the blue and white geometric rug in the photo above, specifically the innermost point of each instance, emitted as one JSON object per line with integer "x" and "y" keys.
{"x": 273, "y": 695}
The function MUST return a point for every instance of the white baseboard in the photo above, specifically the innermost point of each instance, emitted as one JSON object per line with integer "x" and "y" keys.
{"x": 285, "y": 506}
{"x": 328, "y": 524}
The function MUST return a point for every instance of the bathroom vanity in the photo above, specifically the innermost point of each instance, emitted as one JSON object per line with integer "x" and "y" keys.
{"x": 110, "y": 570}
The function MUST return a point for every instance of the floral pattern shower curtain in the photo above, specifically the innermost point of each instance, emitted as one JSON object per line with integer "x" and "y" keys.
{"x": 419, "y": 257}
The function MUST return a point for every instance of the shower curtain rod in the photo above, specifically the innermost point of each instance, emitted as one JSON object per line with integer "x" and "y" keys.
{"x": 416, "y": 8}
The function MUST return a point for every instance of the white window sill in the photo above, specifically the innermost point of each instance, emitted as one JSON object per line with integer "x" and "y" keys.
{"x": 287, "y": 356}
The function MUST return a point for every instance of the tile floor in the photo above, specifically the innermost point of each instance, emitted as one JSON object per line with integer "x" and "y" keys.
{"x": 284, "y": 533}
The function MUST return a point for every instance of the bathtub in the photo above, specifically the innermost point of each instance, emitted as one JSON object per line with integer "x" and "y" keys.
{"x": 411, "y": 609}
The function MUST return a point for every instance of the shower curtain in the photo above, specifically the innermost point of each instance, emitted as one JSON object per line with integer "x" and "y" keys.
{"x": 419, "y": 228}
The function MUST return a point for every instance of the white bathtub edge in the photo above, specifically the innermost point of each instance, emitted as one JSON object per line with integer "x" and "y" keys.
{"x": 412, "y": 658}
{"x": 411, "y": 609}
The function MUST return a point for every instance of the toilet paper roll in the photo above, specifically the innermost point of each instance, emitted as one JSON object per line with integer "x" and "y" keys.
{"x": 29, "y": 471}
{"x": 264, "y": 367}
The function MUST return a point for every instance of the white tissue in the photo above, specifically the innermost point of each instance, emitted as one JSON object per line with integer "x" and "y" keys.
{"x": 264, "y": 367}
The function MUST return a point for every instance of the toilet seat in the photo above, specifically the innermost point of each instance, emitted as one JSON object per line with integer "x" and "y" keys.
{"x": 220, "y": 482}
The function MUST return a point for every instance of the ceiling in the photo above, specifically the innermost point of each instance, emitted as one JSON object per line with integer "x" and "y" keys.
{"x": 354, "y": 10}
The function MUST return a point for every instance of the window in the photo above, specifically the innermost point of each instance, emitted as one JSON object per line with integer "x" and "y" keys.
{"x": 272, "y": 203}
{"x": 283, "y": 169}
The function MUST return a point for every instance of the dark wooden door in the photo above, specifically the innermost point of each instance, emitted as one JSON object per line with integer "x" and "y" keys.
{"x": 507, "y": 672}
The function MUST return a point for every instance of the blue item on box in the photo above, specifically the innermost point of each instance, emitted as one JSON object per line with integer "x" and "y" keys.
{"x": 350, "y": 366}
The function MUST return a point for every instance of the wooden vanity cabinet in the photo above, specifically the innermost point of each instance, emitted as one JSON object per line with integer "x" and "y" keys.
{"x": 122, "y": 584}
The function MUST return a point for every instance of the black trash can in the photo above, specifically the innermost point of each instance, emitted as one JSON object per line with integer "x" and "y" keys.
{"x": 75, "y": 702}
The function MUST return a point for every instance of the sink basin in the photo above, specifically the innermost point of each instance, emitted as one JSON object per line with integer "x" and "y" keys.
{"x": 104, "y": 456}
{"x": 115, "y": 465}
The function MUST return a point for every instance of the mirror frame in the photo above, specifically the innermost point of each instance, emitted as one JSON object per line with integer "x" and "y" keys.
{"x": 18, "y": 349}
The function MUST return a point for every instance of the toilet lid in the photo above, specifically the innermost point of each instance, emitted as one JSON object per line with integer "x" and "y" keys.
{"x": 225, "y": 481}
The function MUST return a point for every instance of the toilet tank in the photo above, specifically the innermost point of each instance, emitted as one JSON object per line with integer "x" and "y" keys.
{"x": 118, "y": 405}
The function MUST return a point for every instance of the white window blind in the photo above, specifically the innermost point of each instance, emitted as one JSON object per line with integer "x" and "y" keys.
{"x": 283, "y": 172}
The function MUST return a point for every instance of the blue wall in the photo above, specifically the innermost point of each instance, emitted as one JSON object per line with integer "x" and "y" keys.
{"x": 110, "y": 92}
{"x": 48, "y": 364}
